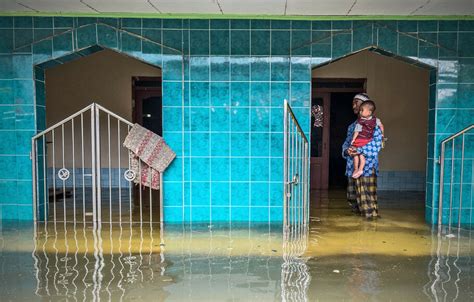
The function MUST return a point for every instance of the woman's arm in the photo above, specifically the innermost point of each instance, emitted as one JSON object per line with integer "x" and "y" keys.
{"x": 347, "y": 142}
{"x": 374, "y": 145}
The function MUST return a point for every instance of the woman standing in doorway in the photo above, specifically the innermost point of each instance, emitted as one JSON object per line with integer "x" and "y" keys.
{"x": 362, "y": 192}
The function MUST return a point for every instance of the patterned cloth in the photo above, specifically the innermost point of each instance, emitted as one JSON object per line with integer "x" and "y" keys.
{"x": 370, "y": 151}
{"x": 366, "y": 127}
{"x": 362, "y": 195}
{"x": 317, "y": 114}
{"x": 150, "y": 155}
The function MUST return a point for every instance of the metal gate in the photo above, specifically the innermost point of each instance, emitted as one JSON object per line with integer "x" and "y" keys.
{"x": 456, "y": 177}
{"x": 82, "y": 172}
{"x": 296, "y": 176}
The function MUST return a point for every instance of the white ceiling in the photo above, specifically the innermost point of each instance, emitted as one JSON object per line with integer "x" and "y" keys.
{"x": 247, "y": 7}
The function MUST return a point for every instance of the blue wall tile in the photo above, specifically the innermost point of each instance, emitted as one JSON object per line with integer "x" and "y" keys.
{"x": 240, "y": 143}
{"x": 260, "y": 42}
{"x": 239, "y": 69}
{"x": 237, "y": 76}
{"x": 240, "y": 94}
{"x": 220, "y": 144}
{"x": 239, "y": 169}
{"x": 220, "y": 194}
{"x": 240, "y": 42}
{"x": 220, "y": 69}
{"x": 220, "y": 93}
{"x": 199, "y": 93}
{"x": 240, "y": 194}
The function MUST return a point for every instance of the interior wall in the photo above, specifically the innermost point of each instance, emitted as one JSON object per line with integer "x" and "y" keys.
{"x": 401, "y": 93}
{"x": 105, "y": 78}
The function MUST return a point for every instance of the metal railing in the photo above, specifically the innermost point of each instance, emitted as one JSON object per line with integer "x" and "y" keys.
{"x": 296, "y": 174}
{"x": 82, "y": 172}
{"x": 457, "y": 181}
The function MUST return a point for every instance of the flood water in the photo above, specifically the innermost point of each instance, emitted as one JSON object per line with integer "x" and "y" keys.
{"x": 340, "y": 257}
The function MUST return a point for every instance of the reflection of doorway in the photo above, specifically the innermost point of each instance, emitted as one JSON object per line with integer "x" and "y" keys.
{"x": 327, "y": 164}
{"x": 147, "y": 111}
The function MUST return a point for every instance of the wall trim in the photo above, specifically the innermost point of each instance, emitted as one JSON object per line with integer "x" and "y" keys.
{"x": 236, "y": 16}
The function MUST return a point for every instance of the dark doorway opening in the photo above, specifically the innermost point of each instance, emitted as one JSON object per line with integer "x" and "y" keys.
{"x": 147, "y": 111}
{"x": 341, "y": 117}
{"x": 335, "y": 97}
{"x": 147, "y": 103}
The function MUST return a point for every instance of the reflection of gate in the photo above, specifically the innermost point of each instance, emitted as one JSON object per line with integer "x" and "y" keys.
{"x": 82, "y": 172}
{"x": 296, "y": 179}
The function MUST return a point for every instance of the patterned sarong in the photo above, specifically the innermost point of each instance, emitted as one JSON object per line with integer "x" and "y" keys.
{"x": 362, "y": 195}
{"x": 150, "y": 155}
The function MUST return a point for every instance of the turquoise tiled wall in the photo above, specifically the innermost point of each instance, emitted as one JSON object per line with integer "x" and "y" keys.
{"x": 226, "y": 122}
{"x": 401, "y": 181}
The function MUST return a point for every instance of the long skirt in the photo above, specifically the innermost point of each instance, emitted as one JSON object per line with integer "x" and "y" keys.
{"x": 362, "y": 195}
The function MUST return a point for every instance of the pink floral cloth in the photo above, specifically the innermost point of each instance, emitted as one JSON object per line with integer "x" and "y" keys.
{"x": 150, "y": 155}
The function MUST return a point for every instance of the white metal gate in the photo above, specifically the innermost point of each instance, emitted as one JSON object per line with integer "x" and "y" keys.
{"x": 296, "y": 174}
{"x": 456, "y": 178}
{"x": 82, "y": 172}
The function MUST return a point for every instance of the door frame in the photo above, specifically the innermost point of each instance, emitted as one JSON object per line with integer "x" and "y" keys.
{"x": 329, "y": 86}
{"x": 323, "y": 160}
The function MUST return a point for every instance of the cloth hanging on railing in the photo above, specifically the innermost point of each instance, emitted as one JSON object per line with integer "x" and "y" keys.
{"x": 150, "y": 155}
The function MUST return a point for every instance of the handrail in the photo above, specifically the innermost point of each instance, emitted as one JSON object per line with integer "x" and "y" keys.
{"x": 288, "y": 107}
{"x": 63, "y": 121}
{"x": 441, "y": 174}
{"x": 458, "y": 134}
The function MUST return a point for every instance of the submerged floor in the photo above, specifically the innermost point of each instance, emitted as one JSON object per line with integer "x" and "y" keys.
{"x": 396, "y": 258}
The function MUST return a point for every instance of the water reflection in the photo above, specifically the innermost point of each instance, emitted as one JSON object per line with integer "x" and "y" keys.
{"x": 125, "y": 262}
{"x": 184, "y": 263}
{"x": 449, "y": 271}
{"x": 342, "y": 257}
{"x": 85, "y": 263}
{"x": 295, "y": 277}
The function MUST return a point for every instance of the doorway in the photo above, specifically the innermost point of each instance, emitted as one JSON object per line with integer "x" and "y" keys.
{"x": 147, "y": 112}
{"x": 334, "y": 96}
{"x": 147, "y": 103}
{"x": 71, "y": 88}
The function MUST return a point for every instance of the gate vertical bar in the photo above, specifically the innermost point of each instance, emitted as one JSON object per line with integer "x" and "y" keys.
{"x": 73, "y": 170}
{"x": 93, "y": 164}
{"x": 285, "y": 163}
{"x": 83, "y": 171}
{"x": 119, "y": 172}
{"x": 110, "y": 168}
{"x": 441, "y": 188}
{"x": 451, "y": 187}
{"x": 54, "y": 178}
{"x": 63, "y": 166}
{"x": 33, "y": 170}
{"x": 45, "y": 181}
{"x": 98, "y": 163}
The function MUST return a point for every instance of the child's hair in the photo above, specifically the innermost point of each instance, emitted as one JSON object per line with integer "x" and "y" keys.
{"x": 369, "y": 105}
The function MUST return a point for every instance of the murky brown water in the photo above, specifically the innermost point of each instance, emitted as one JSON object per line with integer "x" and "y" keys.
{"x": 346, "y": 258}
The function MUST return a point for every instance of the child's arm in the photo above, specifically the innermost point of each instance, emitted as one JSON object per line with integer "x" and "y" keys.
{"x": 357, "y": 129}
{"x": 354, "y": 136}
